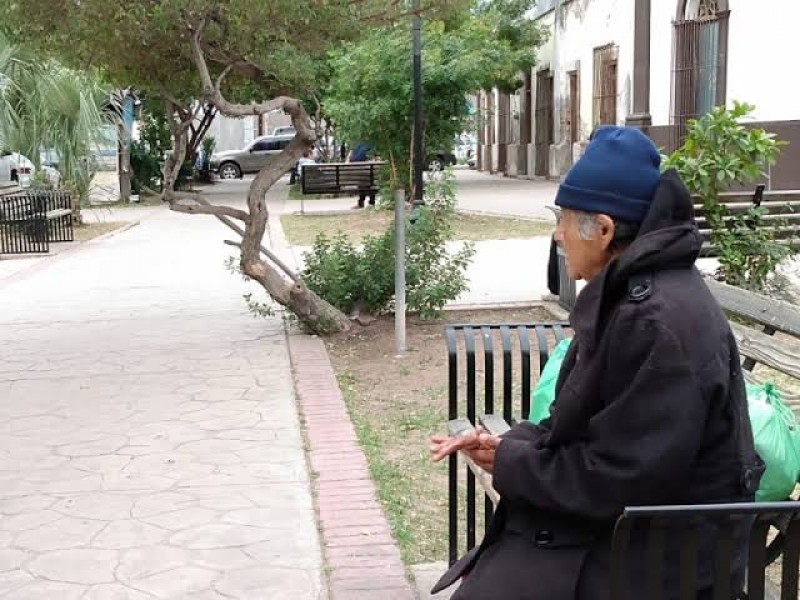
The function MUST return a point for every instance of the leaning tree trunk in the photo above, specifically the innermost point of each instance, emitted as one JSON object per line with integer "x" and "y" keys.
{"x": 257, "y": 263}
{"x": 124, "y": 169}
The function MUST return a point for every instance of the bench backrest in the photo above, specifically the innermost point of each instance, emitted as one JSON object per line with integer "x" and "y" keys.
{"x": 338, "y": 177}
{"x": 782, "y": 214}
{"x": 771, "y": 337}
{"x": 491, "y": 364}
{"x": 31, "y": 219}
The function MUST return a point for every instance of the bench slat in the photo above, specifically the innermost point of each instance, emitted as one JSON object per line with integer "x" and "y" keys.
{"x": 779, "y": 315}
{"x": 781, "y": 355}
{"x": 494, "y": 424}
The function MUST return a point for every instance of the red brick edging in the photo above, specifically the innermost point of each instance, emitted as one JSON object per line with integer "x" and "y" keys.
{"x": 362, "y": 558}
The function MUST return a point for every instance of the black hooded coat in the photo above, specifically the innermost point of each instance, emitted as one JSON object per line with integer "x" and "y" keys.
{"x": 650, "y": 409}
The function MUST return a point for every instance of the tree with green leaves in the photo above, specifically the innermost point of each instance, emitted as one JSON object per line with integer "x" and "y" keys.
{"x": 46, "y": 107}
{"x": 242, "y": 57}
{"x": 371, "y": 89}
{"x": 719, "y": 152}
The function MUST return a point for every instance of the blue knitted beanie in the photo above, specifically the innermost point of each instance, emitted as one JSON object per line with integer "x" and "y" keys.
{"x": 616, "y": 176}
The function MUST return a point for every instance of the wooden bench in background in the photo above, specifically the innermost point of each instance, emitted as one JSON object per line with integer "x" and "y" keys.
{"x": 339, "y": 178}
{"x": 767, "y": 333}
{"x": 782, "y": 214}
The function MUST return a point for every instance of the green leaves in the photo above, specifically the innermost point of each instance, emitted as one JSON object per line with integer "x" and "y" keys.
{"x": 370, "y": 96}
{"x": 719, "y": 152}
{"x": 363, "y": 278}
{"x": 45, "y": 106}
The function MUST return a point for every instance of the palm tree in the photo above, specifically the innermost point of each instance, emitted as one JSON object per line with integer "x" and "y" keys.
{"x": 46, "y": 107}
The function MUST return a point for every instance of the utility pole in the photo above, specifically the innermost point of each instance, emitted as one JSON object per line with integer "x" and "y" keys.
{"x": 419, "y": 156}
{"x": 400, "y": 272}
{"x": 556, "y": 68}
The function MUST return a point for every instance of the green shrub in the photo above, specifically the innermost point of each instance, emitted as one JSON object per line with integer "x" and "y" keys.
{"x": 145, "y": 168}
{"x": 719, "y": 152}
{"x": 362, "y": 278}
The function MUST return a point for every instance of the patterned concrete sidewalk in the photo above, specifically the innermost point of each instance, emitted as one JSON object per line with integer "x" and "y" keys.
{"x": 149, "y": 439}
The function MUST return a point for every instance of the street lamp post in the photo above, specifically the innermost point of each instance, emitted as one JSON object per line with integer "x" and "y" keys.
{"x": 399, "y": 198}
{"x": 419, "y": 156}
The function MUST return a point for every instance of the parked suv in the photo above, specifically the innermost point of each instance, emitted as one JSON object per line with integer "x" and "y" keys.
{"x": 232, "y": 164}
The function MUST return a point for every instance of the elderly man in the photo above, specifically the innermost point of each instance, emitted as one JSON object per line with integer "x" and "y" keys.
{"x": 650, "y": 403}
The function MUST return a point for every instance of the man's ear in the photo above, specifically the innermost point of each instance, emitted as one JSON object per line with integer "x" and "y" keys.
{"x": 605, "y": 230}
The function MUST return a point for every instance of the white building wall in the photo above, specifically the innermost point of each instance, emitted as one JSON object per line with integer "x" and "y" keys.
{"x": 229, "y": 133}
{"x": 761, "y": 46}
{"x": 588, "y": 26}
{"x": 662, "y": 15}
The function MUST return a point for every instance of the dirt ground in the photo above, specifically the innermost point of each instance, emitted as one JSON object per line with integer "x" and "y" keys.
{"x": 396, "y": 404}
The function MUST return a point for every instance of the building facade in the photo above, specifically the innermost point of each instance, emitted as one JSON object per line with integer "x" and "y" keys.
{"x": 650, "y": 63}
{"x": 234, "y": 134}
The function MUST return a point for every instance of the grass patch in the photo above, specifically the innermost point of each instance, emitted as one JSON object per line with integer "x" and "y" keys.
{"x": 144, "y": 200}
{"x": 302, "y": 230}
{"x": 89, "y": 231}
{"x": 395, "y": 405}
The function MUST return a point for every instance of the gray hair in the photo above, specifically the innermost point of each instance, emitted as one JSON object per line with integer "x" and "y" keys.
{"x": 587, "y": 224}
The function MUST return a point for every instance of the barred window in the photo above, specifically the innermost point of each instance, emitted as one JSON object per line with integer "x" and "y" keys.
{"x": 605, "y": 86}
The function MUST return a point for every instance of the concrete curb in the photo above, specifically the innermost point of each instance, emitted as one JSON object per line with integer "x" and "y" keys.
{"x": 487, "y": 213}
{"x": 361, "y": 557}
{"x": 326, "y": 213}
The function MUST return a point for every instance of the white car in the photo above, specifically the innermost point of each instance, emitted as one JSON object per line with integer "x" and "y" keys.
{"x": 18, "y": 167}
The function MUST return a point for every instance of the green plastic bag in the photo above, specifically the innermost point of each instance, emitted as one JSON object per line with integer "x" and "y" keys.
{"x": 545, "y": 391}
{"x": 776, "y": 436}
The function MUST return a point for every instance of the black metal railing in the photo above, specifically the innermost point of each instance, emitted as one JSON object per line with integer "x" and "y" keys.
{"x": 504, "y": 384}
{"x": 31, "y": 220}
{"x": 58, "y": 211}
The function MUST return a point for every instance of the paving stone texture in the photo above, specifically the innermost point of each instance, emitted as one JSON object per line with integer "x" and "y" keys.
{"x": 149, "y": 439}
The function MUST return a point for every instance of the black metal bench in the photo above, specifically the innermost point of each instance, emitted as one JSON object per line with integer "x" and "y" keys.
{"x": 33, "y": 219}
{"x": 470, "y": 378}
{"x": 338, "y": 178}
{"x": 523, "y": 347}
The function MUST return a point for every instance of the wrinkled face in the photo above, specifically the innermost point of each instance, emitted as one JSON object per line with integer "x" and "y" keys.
{"x": 585, "y": 240}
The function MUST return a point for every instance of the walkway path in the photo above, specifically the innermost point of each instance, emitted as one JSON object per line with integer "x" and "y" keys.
{"x": 149, "y": 439}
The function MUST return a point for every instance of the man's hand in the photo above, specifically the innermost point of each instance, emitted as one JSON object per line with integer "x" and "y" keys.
{"x": 479, "y": 445}
{"x": 483, "y": 454}
{"x": 445, "y": 445}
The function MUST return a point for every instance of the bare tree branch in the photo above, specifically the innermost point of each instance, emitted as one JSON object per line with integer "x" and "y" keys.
{"x": 265, "y": 251}
{"x": 315, "y": 312}
{"x": 213, "y": 94}
{"x": 206, "y": 209}
{"x": 224, "y": 74}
